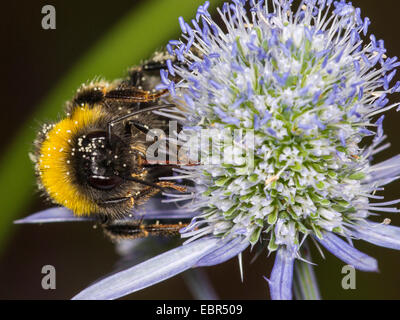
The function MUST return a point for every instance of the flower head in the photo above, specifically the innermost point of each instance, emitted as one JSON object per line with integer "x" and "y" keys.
{"x": 311, "y": 89}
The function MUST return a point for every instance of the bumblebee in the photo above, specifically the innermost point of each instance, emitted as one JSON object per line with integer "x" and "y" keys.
{"x": 93, "y": 161}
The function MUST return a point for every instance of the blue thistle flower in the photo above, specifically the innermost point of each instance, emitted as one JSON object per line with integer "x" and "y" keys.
{"x": 310, "y": 88}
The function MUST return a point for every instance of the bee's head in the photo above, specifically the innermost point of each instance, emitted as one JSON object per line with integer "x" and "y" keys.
{"x": 81, "y": 168}
{"x": 98, "y": 162}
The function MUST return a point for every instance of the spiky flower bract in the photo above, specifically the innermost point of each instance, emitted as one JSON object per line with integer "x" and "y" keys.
{"x": 311, "y": 89}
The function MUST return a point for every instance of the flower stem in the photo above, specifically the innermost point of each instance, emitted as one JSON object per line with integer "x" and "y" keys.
{"x": 305, "y": 282}
{"x": 199, "y": 284}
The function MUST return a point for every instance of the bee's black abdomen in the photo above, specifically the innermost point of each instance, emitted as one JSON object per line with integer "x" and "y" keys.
{"x": 131, "y": 230}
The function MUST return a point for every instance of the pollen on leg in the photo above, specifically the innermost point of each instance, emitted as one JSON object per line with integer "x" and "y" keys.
{"x": 171, "y": 185}
{"x": 131, "y": 199}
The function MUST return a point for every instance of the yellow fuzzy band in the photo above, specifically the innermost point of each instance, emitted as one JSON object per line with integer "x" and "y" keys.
{"x": 54, "y": 163}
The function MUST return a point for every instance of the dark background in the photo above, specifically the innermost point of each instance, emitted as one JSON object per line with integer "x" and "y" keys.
{"x": 33, "y": 60}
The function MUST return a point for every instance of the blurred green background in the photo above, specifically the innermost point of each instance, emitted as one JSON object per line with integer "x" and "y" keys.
{"x": 42, "y": 68}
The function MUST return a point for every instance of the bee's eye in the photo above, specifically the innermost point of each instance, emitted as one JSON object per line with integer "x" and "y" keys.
{"x": 104, "y": 183}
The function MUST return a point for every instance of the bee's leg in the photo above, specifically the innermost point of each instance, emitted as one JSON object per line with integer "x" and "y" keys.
{"x": 149, "y": 192}
{"x": 159, "y": 65}
{"x": 133, "y": 230}
{"x": 154, "y": 66}
{"x": 135, "y": 76}
{"x": 165, "y": 184}
{"x": 119, "y": 231}
{"x": 145, "y": 194}
{"x": 137, "y": 73}
{"x": 134, "y": 95}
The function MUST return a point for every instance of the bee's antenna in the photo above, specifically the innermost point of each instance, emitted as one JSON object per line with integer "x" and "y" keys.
{"x": 161, "y": 185}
